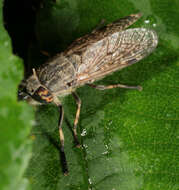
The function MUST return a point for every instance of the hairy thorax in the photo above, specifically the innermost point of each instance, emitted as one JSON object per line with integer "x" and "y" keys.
{"x": 58, "y": 75}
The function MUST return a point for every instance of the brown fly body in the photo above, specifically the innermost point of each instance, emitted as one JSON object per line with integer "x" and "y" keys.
{"x": 88, "y": 59}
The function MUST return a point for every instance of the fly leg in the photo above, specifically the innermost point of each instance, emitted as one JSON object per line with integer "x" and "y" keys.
{"x": 78, "y": 102}
{"x": 102, "y": 87}
{"x": 62, "y": 153}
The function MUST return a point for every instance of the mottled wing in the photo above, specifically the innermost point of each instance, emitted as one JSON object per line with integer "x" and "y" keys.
{"x": 80, "y": 44}
{"x": 115, "y": 52}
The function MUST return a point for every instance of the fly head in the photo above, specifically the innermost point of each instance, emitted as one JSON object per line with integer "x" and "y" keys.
{"x": 33, "y": 91}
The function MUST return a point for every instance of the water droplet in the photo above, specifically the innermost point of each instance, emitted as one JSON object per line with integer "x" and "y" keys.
{"x": 154, "y": 25}
{"x": 106, "y": 152}
{"x": 84, "y": 133}
{"x": 90, "y": 182}
{"x": 147, "y": 21}
{"x": 85, "y": 146}
{"x": 110, "y": 122}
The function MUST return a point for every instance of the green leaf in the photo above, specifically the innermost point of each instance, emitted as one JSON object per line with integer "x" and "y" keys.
{"x": 15, "y": 119}
{"x": 130, "y": 139}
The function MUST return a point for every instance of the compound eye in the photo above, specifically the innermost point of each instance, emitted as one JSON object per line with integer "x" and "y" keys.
{"x": 43, "y": 95}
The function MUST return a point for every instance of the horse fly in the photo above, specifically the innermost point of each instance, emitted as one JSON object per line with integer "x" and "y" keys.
{"x": 89, "y": 58}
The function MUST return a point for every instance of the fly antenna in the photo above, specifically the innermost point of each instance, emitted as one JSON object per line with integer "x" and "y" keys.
{"x": 35, "y": 74}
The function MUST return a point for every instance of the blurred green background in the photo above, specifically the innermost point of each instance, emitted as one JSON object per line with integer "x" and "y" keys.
{"x": 130, "y": 138}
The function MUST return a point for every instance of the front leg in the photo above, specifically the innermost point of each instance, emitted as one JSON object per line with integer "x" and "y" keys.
{"x": 78, "y": 102}
{"x": 62, "y": 153}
